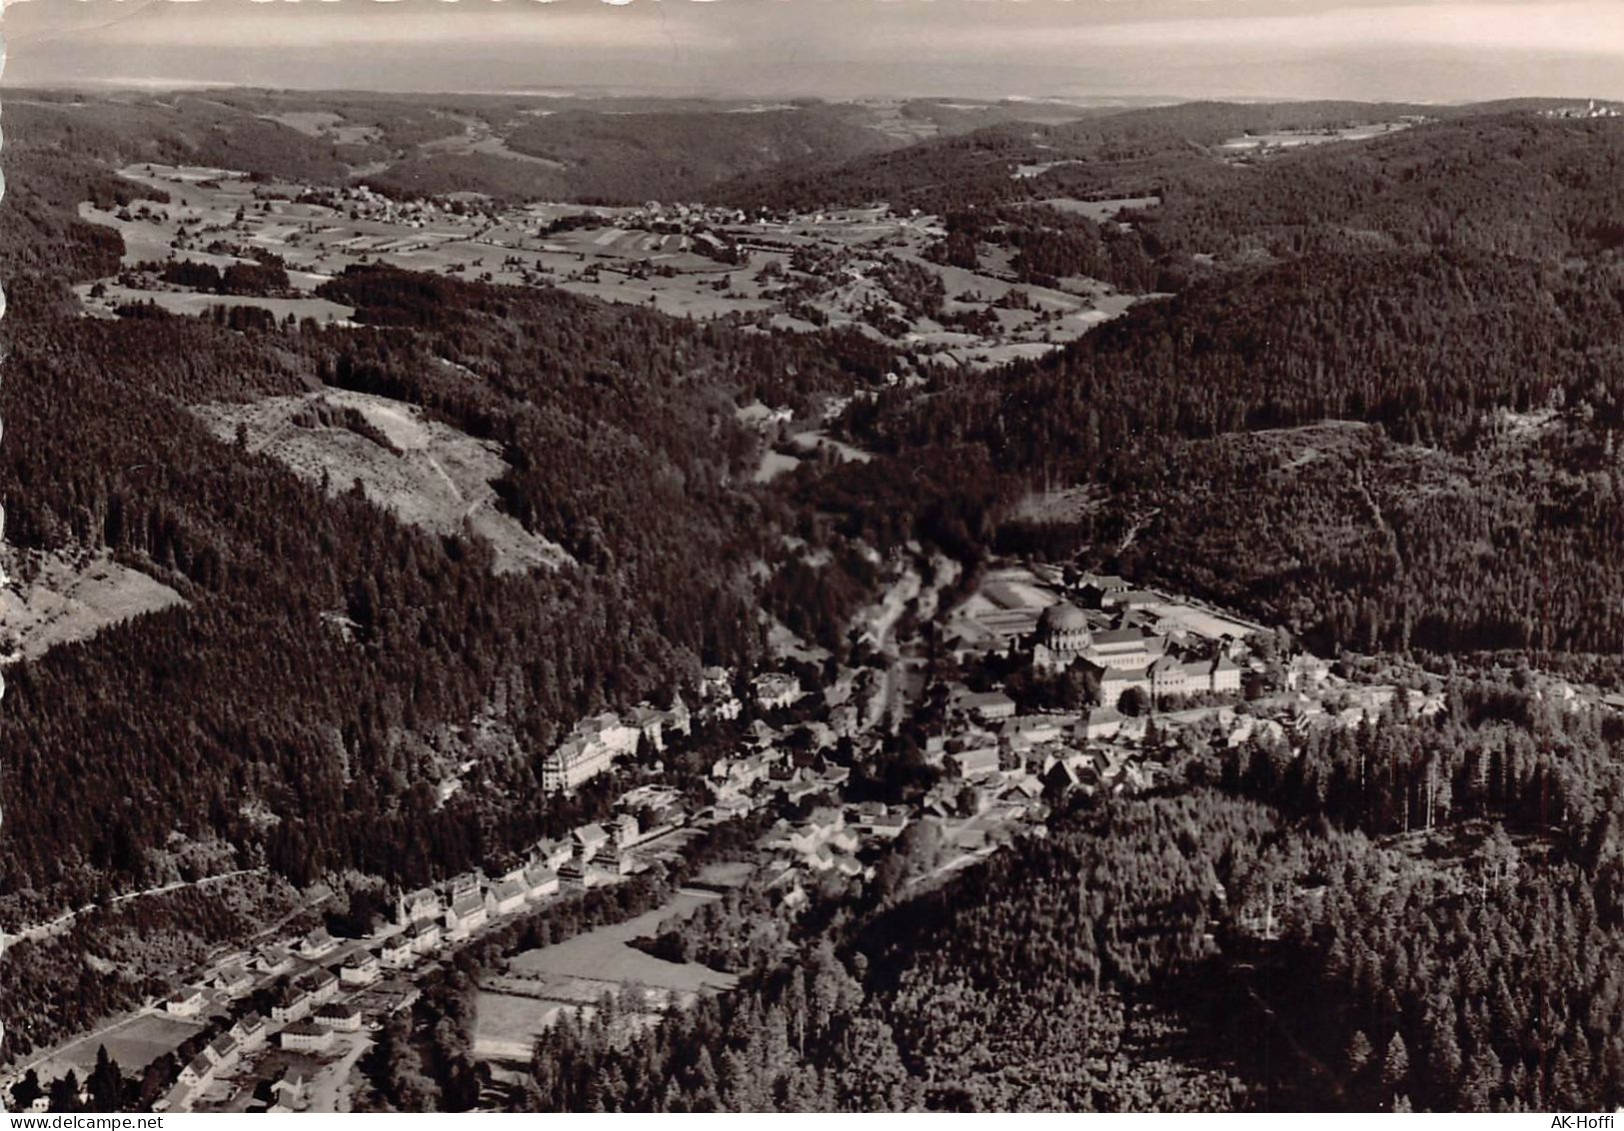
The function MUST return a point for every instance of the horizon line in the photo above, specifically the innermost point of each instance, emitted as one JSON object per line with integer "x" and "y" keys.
{"x": 588, "y": 90}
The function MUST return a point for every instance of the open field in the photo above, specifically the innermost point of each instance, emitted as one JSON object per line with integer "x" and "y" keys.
{"x": 1065, "y": 504}
{"x": 193, "y": 303}
{"x": 1291, "y": 139}
{"x": 815, "y": 440}
{"x": 328, "y": 125}
{"x": 728, "y": 874}
{"x": 1101, "y": 210}
{"x": 134, "y": 1044}
{"x": 774, "y": 464}
{"x": 1202, "y": 622}
{"x": 514, "y": 1009}
{"x": 505, "y": 1027}
{"x": 431, "y": 475}
{"x": 72, "y": 598}
{"x": 605, "y": 955}
{"x": 477, "y": 137}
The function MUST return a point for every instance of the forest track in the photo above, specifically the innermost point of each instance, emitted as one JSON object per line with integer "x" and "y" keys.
{"x": 50, "y": 927}
{"x": 1380, "y": 520}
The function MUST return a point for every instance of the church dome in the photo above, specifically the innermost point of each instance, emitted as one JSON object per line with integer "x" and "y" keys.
{"x": 1064, "y": 618}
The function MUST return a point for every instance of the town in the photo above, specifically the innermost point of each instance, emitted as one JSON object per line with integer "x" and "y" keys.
{"x": 1042, "y": 681}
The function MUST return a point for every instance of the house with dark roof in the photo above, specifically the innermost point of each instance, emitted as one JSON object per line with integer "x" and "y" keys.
{"x": 360, "y": 969}
{"x": 197, "y": 1071}
{"x": 273, "y": 960}
{"x": 396, "y": 952}
{"x": 317, "y": 944}
{"x": 249, "y": 1031}
{"x": 222, "y": 1051}
{"x": 307, "y": 1036}
{"x": 321, "y": 985}
{"x": 294, "y": 1006}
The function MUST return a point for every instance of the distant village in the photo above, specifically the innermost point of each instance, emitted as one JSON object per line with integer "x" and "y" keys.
{"x": 1591, "y": 109}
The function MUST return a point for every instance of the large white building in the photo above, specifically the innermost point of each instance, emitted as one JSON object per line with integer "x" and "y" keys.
{"x": 776, "y": 690}
{"x": 597, "y": 741}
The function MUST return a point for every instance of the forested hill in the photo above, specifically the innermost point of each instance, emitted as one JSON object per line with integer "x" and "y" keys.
{"x": 511, "y": 147}
{"x": 1422, "y": 343}
{"x": 1512, "y": 184}
{"x": 299, "y": 709}
{"x": 1203, "y": 949}
{"x": 1127, "y": 154}
{"x": 1460, "y": 286}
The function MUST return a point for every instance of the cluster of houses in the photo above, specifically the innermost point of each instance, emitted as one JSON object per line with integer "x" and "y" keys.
{"x": 1591, "y": 109}
{"x": 1008, "y": 756}
{"x": 762, "y": 768}
{"x": 995, "y": 760}
{"x": 361, "y": 202}
{"x": 321, "y": 1004}
{"x": 324, "y": 1001}
{"x": 830, "y": 839}
{"x": 993, "y": 745}
{"x": 312, "y": 1010}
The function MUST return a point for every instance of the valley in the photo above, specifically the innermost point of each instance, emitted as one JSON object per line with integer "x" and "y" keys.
{"x": 520, "y": 598}
{"x": 860, "y": 268}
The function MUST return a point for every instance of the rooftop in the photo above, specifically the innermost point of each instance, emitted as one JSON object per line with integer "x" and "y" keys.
{"x": 1119, "y": 636}
{"x": 306, "y": 1029}
{"x": 1063, "y": 617}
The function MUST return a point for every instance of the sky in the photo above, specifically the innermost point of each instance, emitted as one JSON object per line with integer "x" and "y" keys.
{"x": 1413, "y": 50}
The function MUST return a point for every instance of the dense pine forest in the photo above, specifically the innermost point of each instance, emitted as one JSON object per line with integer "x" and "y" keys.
{"x": 1259, "y": 941}
{"x": 247, "y": 727}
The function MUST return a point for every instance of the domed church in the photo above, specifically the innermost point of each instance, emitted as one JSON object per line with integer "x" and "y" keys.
{"x": 1062, "y": 637}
